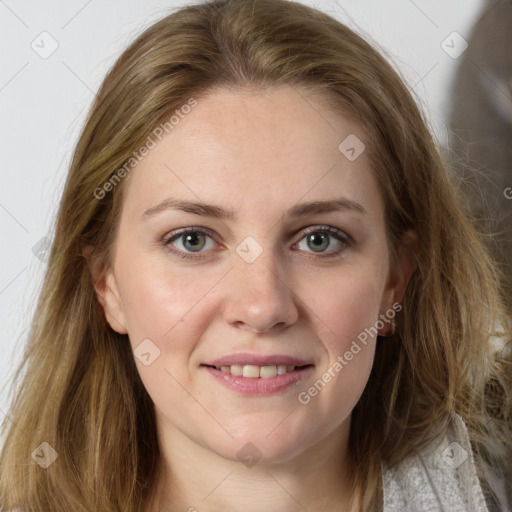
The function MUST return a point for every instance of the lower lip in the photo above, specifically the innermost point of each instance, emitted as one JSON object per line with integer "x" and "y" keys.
{"x": 259, "y": 385}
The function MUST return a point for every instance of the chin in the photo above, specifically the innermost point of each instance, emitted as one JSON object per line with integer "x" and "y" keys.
{"x": 261, "y": 443}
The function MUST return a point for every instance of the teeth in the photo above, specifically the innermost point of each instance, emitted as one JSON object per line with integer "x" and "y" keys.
{"x": 251, "y": 371}
{"x": 237, "y": 370}
{"x": 266, "y": 372}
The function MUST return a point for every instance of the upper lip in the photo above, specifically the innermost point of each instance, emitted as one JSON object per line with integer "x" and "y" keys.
{"x": 258, "y": 360}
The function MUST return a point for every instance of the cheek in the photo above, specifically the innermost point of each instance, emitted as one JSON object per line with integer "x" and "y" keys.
{"x": 170, "y": 309}
{"x": 158, "y": 302}
{"x": 348, "y": 305}
{"x": 345, "y": 313}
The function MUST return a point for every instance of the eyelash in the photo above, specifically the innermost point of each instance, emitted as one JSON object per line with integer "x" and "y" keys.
{"x": 345, "y": 240}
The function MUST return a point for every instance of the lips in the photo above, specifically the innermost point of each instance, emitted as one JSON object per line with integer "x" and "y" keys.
{"x": 257, "y": 366}
{"x": 259, "y": 374}
{"x": 257, "y": 385}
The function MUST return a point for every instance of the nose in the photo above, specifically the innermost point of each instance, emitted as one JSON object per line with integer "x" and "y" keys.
{"x": 259, "y": 299}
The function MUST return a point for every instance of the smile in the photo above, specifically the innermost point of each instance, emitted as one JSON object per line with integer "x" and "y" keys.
{"x": 252, "y": 371}
{"x": 259, "y": 380}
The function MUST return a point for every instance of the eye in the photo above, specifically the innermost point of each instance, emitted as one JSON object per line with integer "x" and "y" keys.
{"x": 320, "y": 238}
{"x": 192, "y": 240}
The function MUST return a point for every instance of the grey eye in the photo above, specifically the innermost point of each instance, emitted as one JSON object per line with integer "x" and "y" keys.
{"x": 191, "y": 241}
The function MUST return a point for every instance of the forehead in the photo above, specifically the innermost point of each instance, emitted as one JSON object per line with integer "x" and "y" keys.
{"x": 252, "y": 148}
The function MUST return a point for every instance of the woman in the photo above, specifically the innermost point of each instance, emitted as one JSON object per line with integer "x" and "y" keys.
{"x": 262, "y": 290}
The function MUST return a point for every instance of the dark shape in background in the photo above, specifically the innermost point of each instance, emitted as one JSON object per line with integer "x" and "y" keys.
{"x": 480, "y": 142}
{"x": 481, "y": 128}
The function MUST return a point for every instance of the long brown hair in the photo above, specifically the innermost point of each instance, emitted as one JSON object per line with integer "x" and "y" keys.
{"x": 78, "y": 388}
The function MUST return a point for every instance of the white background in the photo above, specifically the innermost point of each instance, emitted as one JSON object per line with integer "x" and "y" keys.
{"x": 43, "y": 103}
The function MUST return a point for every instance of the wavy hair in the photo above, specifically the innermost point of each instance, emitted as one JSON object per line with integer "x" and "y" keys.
{"x": 95, "y": 411}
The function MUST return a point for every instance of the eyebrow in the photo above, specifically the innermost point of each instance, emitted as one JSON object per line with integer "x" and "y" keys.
{"x": 214, "y": 211}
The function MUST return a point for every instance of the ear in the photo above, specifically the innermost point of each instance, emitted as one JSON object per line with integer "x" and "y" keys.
{"x": 106, "y": 289}
{"x": 401, "y": 270}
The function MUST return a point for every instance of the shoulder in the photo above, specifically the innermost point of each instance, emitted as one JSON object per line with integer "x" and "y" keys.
{"x": 440, "y": 477}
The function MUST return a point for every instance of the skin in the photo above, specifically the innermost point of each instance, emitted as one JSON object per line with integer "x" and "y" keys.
{"x": 259, "y": 154}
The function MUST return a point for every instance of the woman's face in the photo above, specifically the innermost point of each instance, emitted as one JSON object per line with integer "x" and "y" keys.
{"x": 285, "y": 265}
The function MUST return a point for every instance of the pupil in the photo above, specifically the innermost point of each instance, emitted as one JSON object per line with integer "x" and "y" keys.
{"x": 318, "y": 239}
{"x": 193, "y": 238}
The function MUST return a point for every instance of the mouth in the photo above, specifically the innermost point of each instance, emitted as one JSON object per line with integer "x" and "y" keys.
{"x": 259, "y": 380}
{"x": 251, "y": 371}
